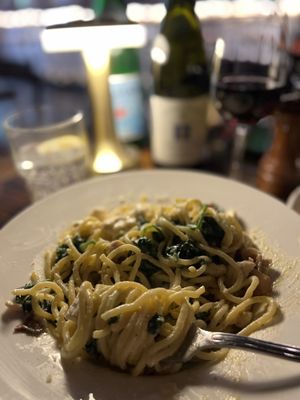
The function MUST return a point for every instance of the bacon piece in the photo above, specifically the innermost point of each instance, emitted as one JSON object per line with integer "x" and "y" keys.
{"x": 30, "y": 326}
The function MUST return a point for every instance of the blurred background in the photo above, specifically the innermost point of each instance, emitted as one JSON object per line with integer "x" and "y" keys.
{"x": 30, "y": 76}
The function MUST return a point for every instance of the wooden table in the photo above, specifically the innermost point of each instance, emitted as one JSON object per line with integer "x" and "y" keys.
{"x": 14, "y": 196}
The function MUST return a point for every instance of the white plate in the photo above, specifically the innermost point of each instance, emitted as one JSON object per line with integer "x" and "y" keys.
{"x": 30, "y": 368}
{"x": 293, "y": 200}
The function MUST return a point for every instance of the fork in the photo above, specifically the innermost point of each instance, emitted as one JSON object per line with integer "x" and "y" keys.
{"x": 198, "y": 339}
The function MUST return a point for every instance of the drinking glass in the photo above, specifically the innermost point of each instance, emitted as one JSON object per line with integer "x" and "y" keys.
{"x": 249, "y": 74}
{"x": 49, "y": 147}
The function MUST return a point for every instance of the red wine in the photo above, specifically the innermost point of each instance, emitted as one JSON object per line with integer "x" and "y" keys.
{"x": 247, "y": 98}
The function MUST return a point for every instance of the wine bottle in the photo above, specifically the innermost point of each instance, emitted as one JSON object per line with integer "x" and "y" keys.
{"x": 178, "y": 106}
{"x": 125, "y": 80}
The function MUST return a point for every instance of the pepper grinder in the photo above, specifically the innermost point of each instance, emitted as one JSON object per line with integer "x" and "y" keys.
{"x": 277, "y": 172}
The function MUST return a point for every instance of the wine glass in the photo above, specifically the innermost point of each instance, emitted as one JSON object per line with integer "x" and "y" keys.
{"x": 249, "y": 74}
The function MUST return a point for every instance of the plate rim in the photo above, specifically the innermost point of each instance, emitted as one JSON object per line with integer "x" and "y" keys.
{"x": 108, "y": 177}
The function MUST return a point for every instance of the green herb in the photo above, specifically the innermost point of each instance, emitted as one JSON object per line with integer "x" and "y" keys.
{"x": 113, "y": 320}
{"x": 201, "y": 216}
{"x": 155, "y": 323}
{"x": 212, "y": 231}
{"x": 204, "y": 315}
{"x": 148, "y": 269}
{"x": 61, "y": 252}
{"x": 91, "y": 347}
{"x": 83, "y": 246}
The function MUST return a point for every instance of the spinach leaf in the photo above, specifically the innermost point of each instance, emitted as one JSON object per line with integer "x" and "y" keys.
{"x": 185, "y": 250}
{"x": 158, "y": 235}
{"x": 146, "y": 245}
{"x": 155, "y": 323}
{"x": 148, "y": 269}
{"x": 91, "y": 347}
{"x": 61, "y": 252}
{"x": 154, "y": 231}
{"x": 216, "y": 260}
{"x": 204, "y": 315}
{"x": 113, "y": 320}
{"x": 78, "y": 241}
{"x": 46, "y": 305}
{"x": 212, "y": 231}
{"x": 26, "y": 301}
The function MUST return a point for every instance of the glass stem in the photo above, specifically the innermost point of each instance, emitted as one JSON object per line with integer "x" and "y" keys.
{"x": 238, "y": 151}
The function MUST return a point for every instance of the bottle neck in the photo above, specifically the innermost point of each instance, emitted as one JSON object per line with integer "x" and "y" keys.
{"x": 190, "y": 4}
{"x": 113, "y": 10}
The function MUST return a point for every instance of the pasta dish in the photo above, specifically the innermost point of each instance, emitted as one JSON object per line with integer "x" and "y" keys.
{"x": 127, "y": 284}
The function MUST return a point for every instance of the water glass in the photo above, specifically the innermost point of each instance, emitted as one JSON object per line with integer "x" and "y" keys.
{"x": 49, "y": 147}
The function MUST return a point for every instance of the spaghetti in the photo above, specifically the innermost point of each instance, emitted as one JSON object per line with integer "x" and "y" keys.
{"x": 128, "y": 283}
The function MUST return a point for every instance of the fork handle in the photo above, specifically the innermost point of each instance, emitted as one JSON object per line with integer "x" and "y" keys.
{"x": 230, "y": 340}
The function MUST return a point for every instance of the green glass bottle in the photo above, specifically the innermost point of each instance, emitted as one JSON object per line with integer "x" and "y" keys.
{"x": 125, "y": 80}
{"x": 181, "y": 88}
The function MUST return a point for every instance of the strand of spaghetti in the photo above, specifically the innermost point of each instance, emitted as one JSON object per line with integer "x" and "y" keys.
{"x": 164, "y": 223}
{"x": 112, "y": 265}
{"x": 263, "y": 320}
{"x": 71, "y": 291}
{"x": 135, "y": 267}
{"x": 239, "y": 275}
{"x": 253, "y": 282}
{"x": 74, "y": 345}
{"x": 124, "y": 248}
{"x": 123, "y": 344}
{"x": 62, "y": 265}
{"x": 44, "y": 285}
{"x": 183, "y": 293}
{"x": 167, "y": 346}
{"x": 234, "y": 313}
{"x": 176, "y": 284}
{"x": 147, "y": 296}
{"x": 161, "y": 265}
{"x": 58, "y": 280}
{"x": 194, "y": 272}
{"x": 72, "y": 250}
{"x": 47, "y": 265}
{"x": 218, "y": 317}
{"x": 38, "y": 310}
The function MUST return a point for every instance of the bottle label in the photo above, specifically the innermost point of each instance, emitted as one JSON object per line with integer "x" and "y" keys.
{"x": 127, "y": 101}
{"x": 178, "y": 130}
